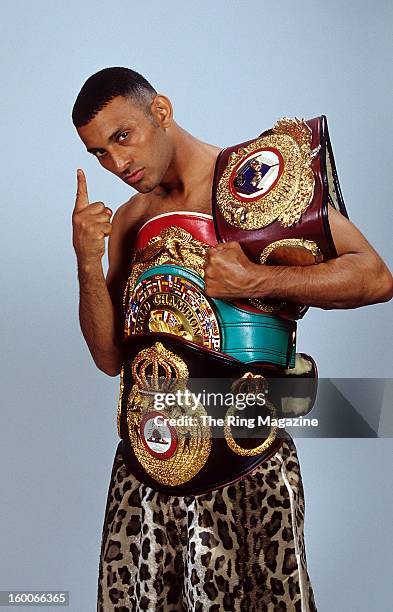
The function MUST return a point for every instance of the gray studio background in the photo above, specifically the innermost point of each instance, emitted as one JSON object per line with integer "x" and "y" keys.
{"x": 231, "y": 69}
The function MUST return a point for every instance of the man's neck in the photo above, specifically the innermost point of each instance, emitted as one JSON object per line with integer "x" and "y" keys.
{"x": 192, "y": 163}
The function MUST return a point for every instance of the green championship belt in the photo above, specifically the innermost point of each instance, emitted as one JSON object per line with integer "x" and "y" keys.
{"x": 171, "y": 298}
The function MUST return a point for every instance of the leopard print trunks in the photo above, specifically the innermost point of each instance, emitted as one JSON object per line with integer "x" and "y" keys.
{"x": 239, "y": 548}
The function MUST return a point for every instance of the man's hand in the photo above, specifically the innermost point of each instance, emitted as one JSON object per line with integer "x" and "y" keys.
{"x": 229, "y": 274}
{"x": 91, "y": 223}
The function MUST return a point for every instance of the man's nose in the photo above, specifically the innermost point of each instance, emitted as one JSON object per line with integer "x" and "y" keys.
{"x": 121, "y": 161}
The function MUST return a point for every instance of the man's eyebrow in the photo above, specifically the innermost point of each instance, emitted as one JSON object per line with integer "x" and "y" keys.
{"x": 111, "y": 139}
{"x": 95, "y": 150}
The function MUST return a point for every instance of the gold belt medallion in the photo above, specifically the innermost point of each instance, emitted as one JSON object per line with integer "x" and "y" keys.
{"x": 254, "y": 384}
{"x": 270, "y": 179}
{"x": 172, "y": 444}
{"x": 173, "y": 304}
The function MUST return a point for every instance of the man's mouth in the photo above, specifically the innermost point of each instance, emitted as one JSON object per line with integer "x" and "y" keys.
{"x": 133, "y": 178}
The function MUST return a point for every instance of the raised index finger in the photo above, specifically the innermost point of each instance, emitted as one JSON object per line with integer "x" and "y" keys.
{"x": 82, "y": 197}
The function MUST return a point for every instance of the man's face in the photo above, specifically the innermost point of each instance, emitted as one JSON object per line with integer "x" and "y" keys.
{"x": 128, "y": 143}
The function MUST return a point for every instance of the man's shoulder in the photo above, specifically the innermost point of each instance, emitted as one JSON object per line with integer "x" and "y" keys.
{"x": 125, "y": 224}
{"x": 132, "y": 212}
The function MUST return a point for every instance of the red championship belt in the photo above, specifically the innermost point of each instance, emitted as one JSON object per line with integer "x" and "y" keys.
{"x": 271, "y": 195}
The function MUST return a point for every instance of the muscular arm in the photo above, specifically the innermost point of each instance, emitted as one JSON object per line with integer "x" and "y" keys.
{"x": 357, "y": 277}
{"x": 100, "y": 303}
{"x": 101, "y": 299}
{"x": 98, "y": 319}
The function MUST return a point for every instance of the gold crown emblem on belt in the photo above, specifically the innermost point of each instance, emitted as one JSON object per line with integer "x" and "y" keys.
{"x": 169, "y": 454}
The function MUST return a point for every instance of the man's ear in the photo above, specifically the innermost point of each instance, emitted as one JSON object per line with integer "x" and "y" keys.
{"x": 162, "y": 110}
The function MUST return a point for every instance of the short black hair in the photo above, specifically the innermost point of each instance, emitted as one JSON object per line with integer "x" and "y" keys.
{"x": 103, "y": 86}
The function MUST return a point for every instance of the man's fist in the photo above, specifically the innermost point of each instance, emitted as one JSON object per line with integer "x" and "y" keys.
{"x": 229, "y": 274}
{"x": 91, "y": 223}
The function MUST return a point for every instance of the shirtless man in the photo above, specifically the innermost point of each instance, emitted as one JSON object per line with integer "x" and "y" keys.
{"x": 131, "y": 130}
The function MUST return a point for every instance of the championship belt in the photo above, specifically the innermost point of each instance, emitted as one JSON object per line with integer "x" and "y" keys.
{"x": 175, "y": 339}
{"x": 191, "y": 445}
{"x": 271, "y": 195}
{"x": 170, "y": 298}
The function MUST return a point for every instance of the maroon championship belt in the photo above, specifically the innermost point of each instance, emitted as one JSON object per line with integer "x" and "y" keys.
{"x": 271, "y": 195}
